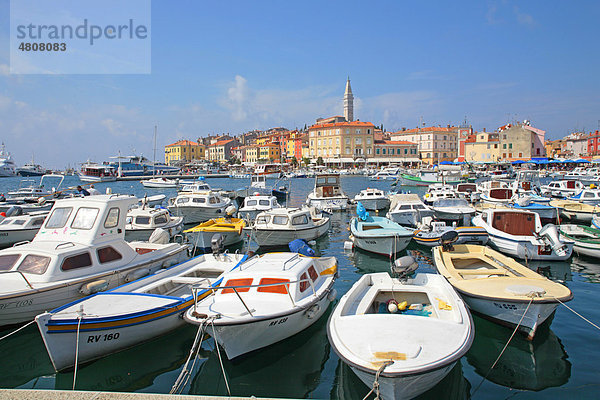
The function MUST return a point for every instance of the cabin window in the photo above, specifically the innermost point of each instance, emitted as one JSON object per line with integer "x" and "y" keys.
{"x": 332, "y": 179}
{"x": 280, "y": 220}
{"x": 250, "y": 203}
{"x": 300, "y": 220}
{"x": 19, "y": 222}
{"x": 304, "y": 283}
{"x": 108, "y": 254}
{"x": 238, "y": 282}
{"x": 588, "y": 195}
{"x": 37, "y": 222}
{"x": 321, "y": 181}
{"x": 213, "y": 200}
{"x": 5, "y": 222}
{"x": 59, "y": 217}
{"x": 160, "y": 219}
{"x": 85, "y": 218}
{"x": 142, "y": 220}
{"x": 263, "y": 219}
{"x": 183, "y": 200}
{"x": 198, "y": 200}
{"x": 34, "y": 264}
{"x": 263, "y": 202}
{"x": 312, "y": 273}
{"x": 8, "y": 261}
{"x": 405, "y": 207}
{"x": 78, "y": 261}
{"x": 281, "y": 289}
{"x": 112, "y": 219}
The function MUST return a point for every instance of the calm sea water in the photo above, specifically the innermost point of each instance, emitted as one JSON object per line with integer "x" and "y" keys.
{"x": 561, "y": 362}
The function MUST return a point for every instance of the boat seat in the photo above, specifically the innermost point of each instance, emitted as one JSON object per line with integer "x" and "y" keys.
{"x": 483, "y": 271}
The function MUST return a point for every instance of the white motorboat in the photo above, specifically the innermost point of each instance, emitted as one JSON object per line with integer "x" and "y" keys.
{"x": 160, "y": 183}
{"x": 255, "y": 204}
{"x": 217, "y": 232}
{"x": 30, "y": 192}
{"x": 196, "y": 207}
{"x": 439, "y": 191}
{"x": 499, "y": 288}
{"x": 430, "y": 233}
{"x": 586, "y": 240}
{"x": 583, "y": 175}
{"x": 385, "y": 175}
{"x": 129, "y": 314}
{"x": 520, "y": 234}
{"x": 453, "y": 210}
{"x": 7, "y": 165}
{"x": 575, "y": 210}
{"x": 409, "y": 350}
{"x": 562, "y": 188}
{"x": 587, "y": 196}
{"x": 92, "y": 172}
{"x": 378, "y": 235}
{"x": 468, "y": 191}
{"x": 408, "y": 209}
{"x": 372, "y": 199}
{"x": 265, "y": 300}
{"x": 152, "y": 201}
{"x": 196, "y": 186}
{"x": 279, "y": 226}
{"x": 79, "y": 250}
{"x": 21, "y": 228}
{"x": 327, "y": 193}
{"x": 142, "y": 221}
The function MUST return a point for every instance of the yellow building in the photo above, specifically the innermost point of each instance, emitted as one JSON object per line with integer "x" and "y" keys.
{"x": 270, "y": 152}
{"x": 183, "y": 152}
{"x": 252, "y": 154}
{"x": 436, "y": 144}
{"x": 482, "y": 147}
{"x": 341, "y": 140}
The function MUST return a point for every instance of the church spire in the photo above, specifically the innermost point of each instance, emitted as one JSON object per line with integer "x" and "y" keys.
{"x": 348, "y": 102}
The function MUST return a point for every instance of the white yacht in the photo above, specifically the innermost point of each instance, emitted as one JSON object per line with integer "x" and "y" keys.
{"x": 7, "y": 165}
{"x": 196, "y": 207}
{"x": 562, "y": 188}
{"x": 142, "y": 221}
{"x": 79, "y": 250}
{"x": 327, "y": 193}
{"x": 256, "y": 204}
{"x": 439, "y": 191}
{"x": 408, "y": 209}
{"x": 21, "y": 228}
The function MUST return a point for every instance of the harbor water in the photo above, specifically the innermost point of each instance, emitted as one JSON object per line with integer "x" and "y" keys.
{"x": 561, "y": 362}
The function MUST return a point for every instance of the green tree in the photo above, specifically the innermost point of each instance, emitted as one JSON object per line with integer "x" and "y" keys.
{"x": 320, "y": 161}
{"x": 294, "y": 161}
{"x": 306, "y": 161}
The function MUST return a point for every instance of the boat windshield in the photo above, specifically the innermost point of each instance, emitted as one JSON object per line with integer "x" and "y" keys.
{"x": 450, "y": 203}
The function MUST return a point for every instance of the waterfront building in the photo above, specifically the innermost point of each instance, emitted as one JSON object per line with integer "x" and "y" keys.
{"x": 269, "y": 152}
{"x": 346, "y": 141}
{"x": 220, "y": 151}
{"x": 521, "y": 141}
{"x": 400, "y": 151}
{"x": 183, "y": 152}
{"x": 436, "y": 144}
{"x": 482, "y": 147}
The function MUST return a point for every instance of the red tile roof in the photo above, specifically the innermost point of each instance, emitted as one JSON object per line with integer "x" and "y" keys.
{"x": 183, "y": 143}
{"x": 428, "y": 129}
{"x": 331, "y": 125}
{"x": 394, "y": 142}
{"x": 221, "y": 142}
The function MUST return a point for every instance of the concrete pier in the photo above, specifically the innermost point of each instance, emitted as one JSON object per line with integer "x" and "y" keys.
{"x": 190, "y": 176}
{"x": 27, "y": 394}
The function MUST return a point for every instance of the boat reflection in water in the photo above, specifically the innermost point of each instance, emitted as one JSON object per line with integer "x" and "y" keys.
{"x": 135, "y": 368}
{"x": 367, "y": 264}
{"x": 347, "y": 386}
{"x": 558, "y": 271}
{"x": 24, "y": 358}
{"x": 587, "y": 267}
{"x": 527, "y": 365}
{"x": 289, "y": 369}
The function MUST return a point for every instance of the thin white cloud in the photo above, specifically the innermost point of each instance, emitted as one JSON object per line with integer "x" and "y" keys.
{"x": 524, "y": 18}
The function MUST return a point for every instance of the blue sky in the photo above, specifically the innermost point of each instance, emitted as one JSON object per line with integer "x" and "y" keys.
{"x": 235, "y": 66}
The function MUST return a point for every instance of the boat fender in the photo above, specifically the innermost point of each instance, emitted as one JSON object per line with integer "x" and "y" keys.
{"x": 94, "y": 287}
{"x": 313, "y": 311}
{"x": 402, "y": 306}
{"x": 392, "y": 306}
{"x": 137, "y": 274}
{"x": 332, "y": 295}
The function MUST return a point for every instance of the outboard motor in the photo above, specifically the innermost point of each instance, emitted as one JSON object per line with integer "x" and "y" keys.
{"x": 549, "y": 234}
{"x": 404, "y": 267}
{"x": 230, "y": 210}
{"x": 447, "y": 239}
{"x": 14, "y": 211}
{"x": 217, "y": 243}
{"x": 159, "y": 236}
{"x": 524, "y": 201}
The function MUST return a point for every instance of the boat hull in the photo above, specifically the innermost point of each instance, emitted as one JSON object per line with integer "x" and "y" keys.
{"x": 526, "y": 249}
{"x": 410, "y": 217}
{"x": 329, "y": 203}
{"x": 374, "y": 204}
{"x": 466, "y": 235}
{"x": 196, "y": 215}
{"x": 407, "y": 386}
{"x": 10, "y": 237}
{"x": 143, "y": 235}
{"x": 383, "y": 245}
{"x": 19, "y": 308}
{"x": 274, "y": 238}
{"x": 202, "y": 239}
{"x": 265, "y": 332}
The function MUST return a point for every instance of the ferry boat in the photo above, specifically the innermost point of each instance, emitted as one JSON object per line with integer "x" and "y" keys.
{"x": 140, "y": 166}
{"x": 92, "y": 172}
{"x": 268, "y": 170}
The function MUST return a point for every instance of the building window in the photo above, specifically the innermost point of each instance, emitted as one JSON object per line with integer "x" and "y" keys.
{"x": 357, "y": 140}
{"x": 383, "y": 150}
{"x": 377, "y": 150}
{"x": 348, "y": 150}
{"x": 369, "y": 151}
{"x": 405, "y": 151}
{"x": 347, "y": 140}
{"x": 368, "y": 140}
{"x": 504, "y": 145}
{"x": 520, "y": 154}
{"x": 510, "y": 145}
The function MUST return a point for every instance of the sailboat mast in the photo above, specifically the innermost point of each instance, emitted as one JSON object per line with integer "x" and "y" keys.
{"x": 154, "y": 160}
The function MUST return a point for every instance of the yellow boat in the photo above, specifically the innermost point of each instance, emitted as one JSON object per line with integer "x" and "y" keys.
{"x": 498, "y": 287}
{"x": 230, "y": 230}
{"x": 575, "y": 210}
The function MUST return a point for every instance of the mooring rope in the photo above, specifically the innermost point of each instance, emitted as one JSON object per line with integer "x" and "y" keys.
{"x": 504, "y": 348}
{"x": 17, "y": 330}
{"x": 184, "y": 372}
{"x": 76, "y": 351}
{"x": 220, "y": 359}
{"x": 375, "y": 387}
{"x": 579, "y": 315}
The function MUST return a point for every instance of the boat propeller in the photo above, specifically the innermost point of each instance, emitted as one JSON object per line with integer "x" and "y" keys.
{"x": 447, "y": 239}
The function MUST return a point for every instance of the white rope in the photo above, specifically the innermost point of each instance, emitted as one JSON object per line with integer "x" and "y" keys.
{"x": 220, "y": 360}
{"x": 375, "y": 387}
{"x": 503, "y": 349}
{"x": 177, "y": 385}
{"x": 17, "y": 330}
{"x": 76, "y": 351}
{"x": 579, "y": 315}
